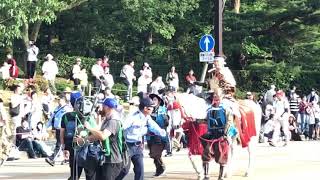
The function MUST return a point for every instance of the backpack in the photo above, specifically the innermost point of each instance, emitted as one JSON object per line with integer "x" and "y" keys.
{"x": 216, "y": 117}
{"x": 70, "y": 125}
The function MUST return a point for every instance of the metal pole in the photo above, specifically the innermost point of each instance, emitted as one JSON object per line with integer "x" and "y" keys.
{"x": 218, "y": 27}
{"x": 204, "y": 72}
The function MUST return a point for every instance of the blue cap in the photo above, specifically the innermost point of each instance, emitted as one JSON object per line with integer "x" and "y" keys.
{"x": 74, "y": 96}
{"x": 111, "y": 103}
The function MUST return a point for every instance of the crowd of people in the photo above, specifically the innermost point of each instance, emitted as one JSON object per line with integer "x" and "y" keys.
{"x": 295, "y": 115}
{"x": 157, "y": 116}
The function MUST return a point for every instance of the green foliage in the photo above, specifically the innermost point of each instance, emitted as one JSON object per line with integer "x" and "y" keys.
{"x": 65, "y": 64}
{"x": 62, "y": 83}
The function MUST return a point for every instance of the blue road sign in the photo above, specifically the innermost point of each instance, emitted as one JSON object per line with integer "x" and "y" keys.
{"x": 206, "y": 43}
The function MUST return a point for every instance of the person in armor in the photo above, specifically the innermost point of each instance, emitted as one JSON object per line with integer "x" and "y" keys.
{"x": 221, "y": 130}
{"x": 156, "y": 144}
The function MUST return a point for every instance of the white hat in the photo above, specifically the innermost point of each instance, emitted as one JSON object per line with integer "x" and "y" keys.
{"x": 49, "y": 57}
{"x": 9, "y": 56}
{"x": 146, "y": 64}
{"x": 220, "y": 59}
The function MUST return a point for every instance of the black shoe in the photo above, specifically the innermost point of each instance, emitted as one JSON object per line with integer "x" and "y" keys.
{"x": 160, "y": 173}
{"x": 168, "y": 155}
{"x": 49, "y": 161}
{"x": 1, "y": 162}
{"x": 272, "y": 144}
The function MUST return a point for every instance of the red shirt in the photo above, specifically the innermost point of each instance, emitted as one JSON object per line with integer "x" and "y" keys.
{"x": 190, "y": 79}
{"x": 104, "y": 65}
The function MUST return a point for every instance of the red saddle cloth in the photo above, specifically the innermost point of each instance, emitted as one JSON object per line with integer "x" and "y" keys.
{"x": 246, "y": 125}
{"x": 194, "y": 130}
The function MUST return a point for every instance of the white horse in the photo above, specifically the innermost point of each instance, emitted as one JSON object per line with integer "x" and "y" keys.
{"x": 196, "y": 108}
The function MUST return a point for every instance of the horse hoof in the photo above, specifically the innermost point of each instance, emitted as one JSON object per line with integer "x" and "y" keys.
{"x": 200, "y": 177}
{"x": 226, "y": 175}
{"x": 246, "y": 174}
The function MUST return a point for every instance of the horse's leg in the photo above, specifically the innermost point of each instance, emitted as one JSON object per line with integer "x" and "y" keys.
{"x": 221, "y": 172}
{"x": 205, "y": 166}
{"x": 228, "y": 167}
{"x": 199, "y": 172}
{"x": 250, "y": 150}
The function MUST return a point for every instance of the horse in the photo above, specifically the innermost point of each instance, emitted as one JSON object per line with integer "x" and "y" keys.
{"x": 248, "y": 126}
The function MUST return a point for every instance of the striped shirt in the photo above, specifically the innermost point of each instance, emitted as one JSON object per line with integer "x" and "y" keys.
{"x": 294, "y": 105}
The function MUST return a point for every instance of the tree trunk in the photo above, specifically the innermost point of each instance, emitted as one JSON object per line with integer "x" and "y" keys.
{"x": 35, "y": 30}
{"x": 236, "y": 6}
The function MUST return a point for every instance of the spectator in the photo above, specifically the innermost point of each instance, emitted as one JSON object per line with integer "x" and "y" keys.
{"x": 16, "y": 106}
{"x": 3, "y": 115}
{"x": 127, "y": 75}
{"x": 25, "y": 142}
{"x": 33, "y": 52}
{"x": 47, "y": 102}
{"x": 97, "y": 72}
{"x": 313, "y": 114}
{"x": 157, "y": 85}
{"x": 50, "y": 70}
{"x": 250, "y": 96}
{"x": 35, "y": 111}
{"x": 294, "y": 103}
{"x": 172, "y": 78}
{"x": 40, "y": 135}
{"x": 107, "y": 79}
{"x": 191, "y": 79}
{"x": 76, "y": 71}
{"x": 313, "y": 97}
{"x": 14, "y": 70}
{"x": 83, "y": 79}
{"x": 293, "y": 128}
{"x": 268, "y": 97}
{"x": 5, "y": 71}
{"x": 105, "y": 63}
{"x": 302, "y": 115}
{"x": 145, "y": 78}
{"x": 281, "y": 109}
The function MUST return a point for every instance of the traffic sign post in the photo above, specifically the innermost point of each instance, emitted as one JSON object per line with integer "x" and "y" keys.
{"x": 206, "y": 43}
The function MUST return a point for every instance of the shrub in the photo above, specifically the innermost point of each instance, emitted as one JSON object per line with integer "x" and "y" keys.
{"x": 62, "y": 83}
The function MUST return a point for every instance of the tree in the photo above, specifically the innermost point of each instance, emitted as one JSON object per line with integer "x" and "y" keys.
{"x": 23, "y": 19}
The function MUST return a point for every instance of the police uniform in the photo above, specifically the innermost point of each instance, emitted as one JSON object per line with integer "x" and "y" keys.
{"x": 135, "y": 127}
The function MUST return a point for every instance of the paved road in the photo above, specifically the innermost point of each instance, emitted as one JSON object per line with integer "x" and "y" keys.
{"x": 299, "y": 160}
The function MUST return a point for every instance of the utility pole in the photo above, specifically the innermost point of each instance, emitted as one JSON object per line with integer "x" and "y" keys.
{"x": 218, "y": 27}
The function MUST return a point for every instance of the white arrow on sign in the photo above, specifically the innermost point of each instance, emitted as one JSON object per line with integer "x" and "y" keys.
{"x": 207, "y": 42}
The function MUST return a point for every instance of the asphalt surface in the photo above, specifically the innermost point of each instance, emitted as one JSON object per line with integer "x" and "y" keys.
{"x": 298, "y": 160}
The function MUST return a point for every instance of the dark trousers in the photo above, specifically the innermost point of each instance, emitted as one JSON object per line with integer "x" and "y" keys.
{"x": 96, "y": 86}
{"x": 31, "y": 68}
{"x": 58, "y": 145}
{"x": 32, "y": 148}
{"x": 311, "y": 129}
{"x": 138, "y": 166}
{"x": 109, "y": 171}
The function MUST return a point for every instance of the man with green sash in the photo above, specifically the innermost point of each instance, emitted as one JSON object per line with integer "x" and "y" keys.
{"x": 110, "y": 134}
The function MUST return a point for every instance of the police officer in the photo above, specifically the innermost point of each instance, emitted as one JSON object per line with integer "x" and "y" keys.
{"x": 136, "y": 127}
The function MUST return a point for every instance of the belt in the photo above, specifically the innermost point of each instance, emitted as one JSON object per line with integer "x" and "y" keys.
{"x": 138, "y": 143}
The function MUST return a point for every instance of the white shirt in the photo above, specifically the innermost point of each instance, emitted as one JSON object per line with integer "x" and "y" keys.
{"x": 18, "y": 100}
{"x": 50, "y": 70}
{"x": 33, "y": 52}
{"x": 5, "y": 72}
{"x": 97, "y": 70}
{"x": 156, "y": 86}
{"x": 76, "y": 70}
{"x": 127, "y": 72}
{"x": 173, "y": 80}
